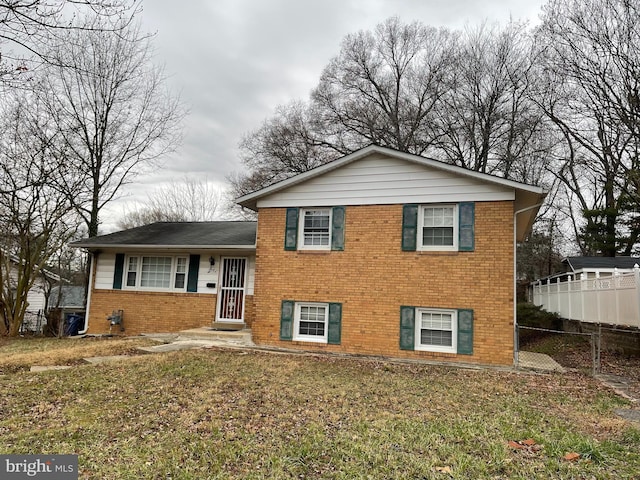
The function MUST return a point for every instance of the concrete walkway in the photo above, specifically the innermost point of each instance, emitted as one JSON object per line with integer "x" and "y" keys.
{"x": 538, "y": 361}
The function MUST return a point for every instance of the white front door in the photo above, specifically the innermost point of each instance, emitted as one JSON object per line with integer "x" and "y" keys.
{"x": 231, "y": 293}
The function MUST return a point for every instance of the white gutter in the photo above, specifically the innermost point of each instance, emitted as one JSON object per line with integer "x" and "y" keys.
{"x": 86, "y": 312}
{"x": 515, "y": 285}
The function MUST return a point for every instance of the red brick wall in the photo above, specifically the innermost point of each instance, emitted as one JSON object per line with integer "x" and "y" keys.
{"x": 372, "y": 278}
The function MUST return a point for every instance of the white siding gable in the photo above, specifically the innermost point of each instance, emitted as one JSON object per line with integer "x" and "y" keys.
{"x": 381, "y": 180}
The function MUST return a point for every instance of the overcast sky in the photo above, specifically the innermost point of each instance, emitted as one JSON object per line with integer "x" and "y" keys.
{"x": 234, "y": 61}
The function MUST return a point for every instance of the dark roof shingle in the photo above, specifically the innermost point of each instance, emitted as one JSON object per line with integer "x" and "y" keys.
{"x": 178, "y": 234}
{"x": 578, "y": 263}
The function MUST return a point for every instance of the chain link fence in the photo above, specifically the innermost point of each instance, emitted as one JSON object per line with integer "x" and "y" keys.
{"x": 590, "y": 349}
{"x": 558, "y": 350}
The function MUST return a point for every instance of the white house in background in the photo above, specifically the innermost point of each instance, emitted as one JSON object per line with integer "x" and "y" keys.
{"x": 602, "y": 290}
{"x": 34, "y": 319}
{"x": 594, "y": 267}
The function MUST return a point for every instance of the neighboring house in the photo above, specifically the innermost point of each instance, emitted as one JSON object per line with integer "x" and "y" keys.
{"x": 379, "y": 253}
{"x": 69, "y": 299}
{"x": 34, "y": 319}
{"x": 594, "y": 290}
{"x": 592, "y": 267}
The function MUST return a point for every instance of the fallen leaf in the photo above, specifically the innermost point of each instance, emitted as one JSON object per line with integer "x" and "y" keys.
{"x": 571, "y": 456}
{"x": 515, "y": 445}
{"x": 529, "y": 442}
{"x": 443, "y": 469}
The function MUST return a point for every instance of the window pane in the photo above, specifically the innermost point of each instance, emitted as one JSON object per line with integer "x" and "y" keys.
{"x": 316, "y": 228}
{"x": 156, "y": 272}
{"x": 438, "y": 226}
{"x": 312, "y": 320}
{"x": 181, "y": 270}
{"x": 438, "y": 216}
{"x": 437, "y": 236}
{"x": 436, "y": 329}
{"x": 435, "y": 338}
{"x": 132, "y": 268}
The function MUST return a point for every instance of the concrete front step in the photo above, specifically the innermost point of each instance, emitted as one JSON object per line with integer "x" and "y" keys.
{"x": 235, "y": 337}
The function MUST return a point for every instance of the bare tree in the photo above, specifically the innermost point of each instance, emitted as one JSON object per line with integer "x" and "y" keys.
{"x": 384, "y": 87}
{"x": 488, "y": 121}
{"x": 36, "y": 219}
{"x": 189, "y": 200}
{"x": 115, "y": 116}
{"x": 28, "y": 27}
{"x": 591, "y": 53}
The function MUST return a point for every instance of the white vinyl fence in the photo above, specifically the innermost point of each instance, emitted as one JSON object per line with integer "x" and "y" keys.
{"x": 613, "y": 300}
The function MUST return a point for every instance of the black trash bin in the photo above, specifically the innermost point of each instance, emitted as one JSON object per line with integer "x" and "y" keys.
{"x": 72, "y": 324}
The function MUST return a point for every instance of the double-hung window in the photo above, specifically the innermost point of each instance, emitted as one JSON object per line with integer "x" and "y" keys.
{"x": 438, "y": 227}
{"x": 443, "y": 330}
{"x": 311, "y": 322}
{"x": 315, "y": 229}
{"x": 156, "y": 272}
{"x": 436, "y": 330}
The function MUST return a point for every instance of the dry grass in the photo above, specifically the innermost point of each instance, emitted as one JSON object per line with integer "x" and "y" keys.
{"x": 209, "y": 414}
{"x": 21, "y": 353}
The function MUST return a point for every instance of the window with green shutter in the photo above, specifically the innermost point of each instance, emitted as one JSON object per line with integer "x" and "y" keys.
{"x": 311, "y": 322}
{"x": 319, "y": 228}
{"x": 436, "y": 330}
{"x": 439, "y": 227}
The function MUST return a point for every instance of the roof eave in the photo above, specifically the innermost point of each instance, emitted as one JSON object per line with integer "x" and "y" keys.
{"x": 94, "y": 246}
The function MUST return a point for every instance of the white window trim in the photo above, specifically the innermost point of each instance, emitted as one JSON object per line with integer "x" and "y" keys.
{"x": 436, "y": 348}
{"x": 301, "y": 245}
{"x": 174, "y": 266}
{"x": 456, "y": 234}
{"x": 296, "y": 323}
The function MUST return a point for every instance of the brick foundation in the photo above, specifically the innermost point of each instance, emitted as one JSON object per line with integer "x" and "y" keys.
{"x": 154, "y": 312}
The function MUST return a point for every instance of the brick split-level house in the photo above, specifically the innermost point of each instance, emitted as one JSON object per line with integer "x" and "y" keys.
{"x": 378, "y": 253}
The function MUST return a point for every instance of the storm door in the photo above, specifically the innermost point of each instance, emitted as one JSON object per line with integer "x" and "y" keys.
{"x": 232, "y": 289}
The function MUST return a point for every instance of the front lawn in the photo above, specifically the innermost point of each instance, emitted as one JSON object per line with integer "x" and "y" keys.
{"x": 206, "y": 414}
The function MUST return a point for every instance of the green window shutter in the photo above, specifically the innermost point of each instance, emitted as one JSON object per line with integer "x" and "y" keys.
{"x": 335, "y": 323}
{"x": 118, "y": 271}
{"x": 466, "y": 218}
{"x": 291, "y": 230}
{"x": 409, "y": 227}
{"x": 337, "y": 228}
{"x": 407, "y": 328}
{"x": 286, "y": 320}
{"x": 465, "y": 332}
{"x": 192, "y": 276}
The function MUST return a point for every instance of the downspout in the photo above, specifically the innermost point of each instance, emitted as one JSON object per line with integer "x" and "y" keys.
{"x": 86, "y": 313}
{"x": 515, "y": 285}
